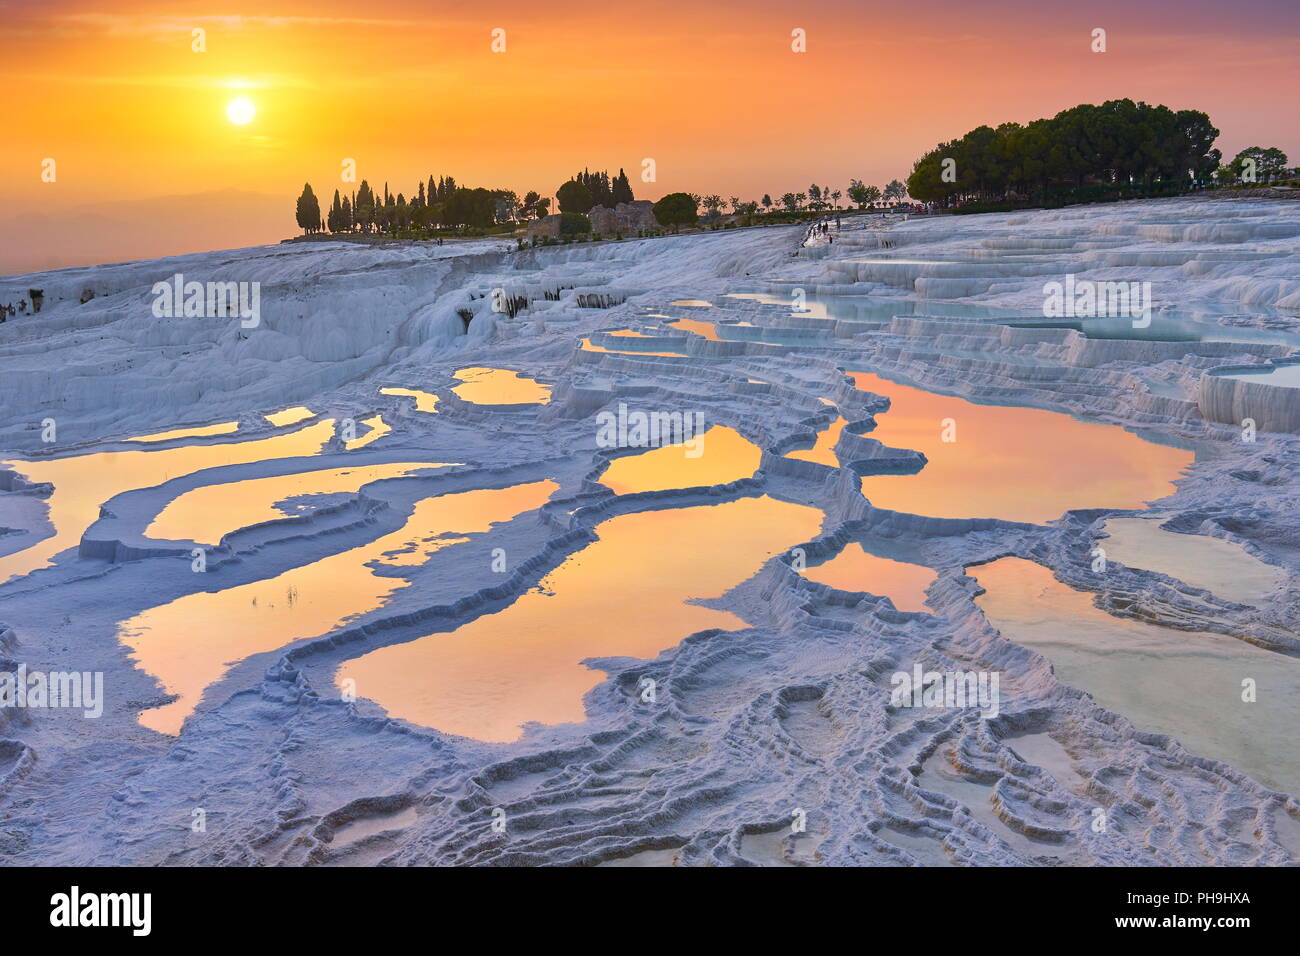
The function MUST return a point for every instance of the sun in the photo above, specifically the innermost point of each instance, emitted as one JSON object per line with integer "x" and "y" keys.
{"x": 240, "y": 111}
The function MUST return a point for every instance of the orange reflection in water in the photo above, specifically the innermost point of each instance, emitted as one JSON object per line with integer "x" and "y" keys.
{"x": 191, "y": 642}
{"x": 290, "y": 416}
{"x": 83, "y": 482}
{"x": 1017, "y": 464}
{"x": 725, "y": 456}
{"x": 424, "y": 401}
{"x": 376, "y": 427}
{"x": 823, "y": 452}
{"x": 1184, "y": 683}
{"x": 857, "y": 569}
{"x": 499, "y": 386}
{"x": 588, "y": 347}
{"x": 199, "y": 431}
{"x": 207, "y": 513}
{"x": 706, "y": 329}
{"x": 624, "y": 595}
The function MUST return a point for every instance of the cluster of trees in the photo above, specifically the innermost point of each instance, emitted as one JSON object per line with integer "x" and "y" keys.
{"x": 587, "y": 190}
{"x": 1255, "y": 164}
{"x": 683, "y": 209}
{"x": 1120, "y": 143}
{"x": 816, "y": 198}
{"x": 442, "y": 202}
{"x": 434, "y": 204}
{"x": 715, "y": 204}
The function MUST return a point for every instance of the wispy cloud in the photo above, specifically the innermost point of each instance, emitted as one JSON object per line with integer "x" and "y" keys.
{"x": 118, "y": 24}
{"x": 175, "y": 80}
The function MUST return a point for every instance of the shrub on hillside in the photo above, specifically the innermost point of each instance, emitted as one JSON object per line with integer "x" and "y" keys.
{"x": 574, "y": 224}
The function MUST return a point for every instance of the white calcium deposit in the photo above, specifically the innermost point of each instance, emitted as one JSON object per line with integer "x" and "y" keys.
{"x": 771, "y": 739}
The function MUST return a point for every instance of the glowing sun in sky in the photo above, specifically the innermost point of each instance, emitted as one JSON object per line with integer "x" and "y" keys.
{"x": 240, "y": 111}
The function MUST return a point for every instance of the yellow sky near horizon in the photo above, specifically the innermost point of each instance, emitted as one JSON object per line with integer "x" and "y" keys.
{"x": 114, "y": 93}
{"x": 402, "y": 97}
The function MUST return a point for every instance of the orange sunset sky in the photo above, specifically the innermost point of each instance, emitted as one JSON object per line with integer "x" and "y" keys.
{"x": 148, "y": 164}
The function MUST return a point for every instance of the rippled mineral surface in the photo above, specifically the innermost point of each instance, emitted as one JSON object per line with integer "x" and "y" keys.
{"x": 719, "y": 549}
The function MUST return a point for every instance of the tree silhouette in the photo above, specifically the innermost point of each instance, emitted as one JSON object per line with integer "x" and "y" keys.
{"x": 573, "y": 196}
{"x": 308, "y": 210}
{"x": 1269, "y": 163}
{"x": 676, "y": 210}
{"x": 335, "y": 220}
{"x": 1111, "y": 149}
{"x": 622, "y": 188}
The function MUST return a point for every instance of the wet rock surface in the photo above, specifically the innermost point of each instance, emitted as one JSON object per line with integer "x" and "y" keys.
{"x": 788, "y": 710}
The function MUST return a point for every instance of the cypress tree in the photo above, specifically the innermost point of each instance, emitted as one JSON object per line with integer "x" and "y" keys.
{"x": 335, "y": 218}
{"x": 308, "y": 210}
{"x": 622, "y": 188}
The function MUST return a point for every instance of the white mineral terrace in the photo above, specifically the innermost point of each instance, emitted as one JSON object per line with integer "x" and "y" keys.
{"x": 643, "y": 560}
